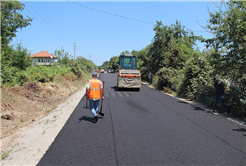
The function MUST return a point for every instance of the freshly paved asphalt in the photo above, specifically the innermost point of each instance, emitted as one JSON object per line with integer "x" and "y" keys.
{"x": 146, "y": 128}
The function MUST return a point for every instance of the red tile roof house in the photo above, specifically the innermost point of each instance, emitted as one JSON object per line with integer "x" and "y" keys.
{"x": 43, "y": 58}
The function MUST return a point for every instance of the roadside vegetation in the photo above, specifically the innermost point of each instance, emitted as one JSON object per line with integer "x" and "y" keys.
{"x": 182, "y": 69}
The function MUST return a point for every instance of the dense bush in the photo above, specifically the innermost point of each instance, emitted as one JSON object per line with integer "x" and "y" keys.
{"x": 198, "y": 78}
{"x": 236, "y": 97}
{"x": 8, "y": 76}
{"x": 85, "y": 65}
{"x": 77, "y": 71}
{"x": 14, "y": 76}
{"x": 162, "y": 78}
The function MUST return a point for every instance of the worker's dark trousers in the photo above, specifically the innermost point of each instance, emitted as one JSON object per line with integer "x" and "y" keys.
{"x": 150, "y": 80}
{"x": 216, "y": 99}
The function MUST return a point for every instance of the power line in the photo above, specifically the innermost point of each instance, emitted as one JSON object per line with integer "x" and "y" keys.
{"x": 127, "y": 2}
{"x": 52, "y": 22}
{"x": 118, "y": 15}
{"x": 42, "y": 23}
{"x": 110, "y": 13}
{"x": 46, "y": 22}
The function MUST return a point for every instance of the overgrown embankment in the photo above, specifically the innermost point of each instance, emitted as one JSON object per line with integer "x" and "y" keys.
{"x": 24, "y": 104}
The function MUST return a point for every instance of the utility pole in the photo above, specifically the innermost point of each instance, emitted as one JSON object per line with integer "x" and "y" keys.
{"x": 75, "y": 50}
{"x": 91, "y": 62}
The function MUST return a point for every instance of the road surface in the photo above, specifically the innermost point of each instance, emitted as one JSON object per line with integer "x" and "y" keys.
{"x": 146, "y": 128}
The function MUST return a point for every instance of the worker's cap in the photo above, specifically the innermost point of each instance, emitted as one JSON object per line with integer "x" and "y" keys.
{"x": 94, "y": 74}
{"x": 215, "y": 79}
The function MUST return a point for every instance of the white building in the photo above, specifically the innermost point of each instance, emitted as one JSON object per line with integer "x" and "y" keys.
{"x": 43, "y": 58}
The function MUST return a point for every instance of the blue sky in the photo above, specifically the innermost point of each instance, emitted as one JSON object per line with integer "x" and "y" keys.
{"x": 103, "y": 29}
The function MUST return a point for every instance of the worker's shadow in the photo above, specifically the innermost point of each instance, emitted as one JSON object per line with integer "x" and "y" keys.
{"x": 85, "y": 118}
{"x": 88, "y": 119}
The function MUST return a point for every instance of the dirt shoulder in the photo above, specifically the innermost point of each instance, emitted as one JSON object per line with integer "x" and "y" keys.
{"x": 32, "y": 116}
{"x": 33, "y": 141}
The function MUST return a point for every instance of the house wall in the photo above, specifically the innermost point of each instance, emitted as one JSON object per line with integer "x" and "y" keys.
{"x": 43, "y": 61}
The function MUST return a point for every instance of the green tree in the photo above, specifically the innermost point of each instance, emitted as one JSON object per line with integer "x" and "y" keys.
{"x": 172, "y": 45}
{"x": 196, "y": 84}
{"x": 143, "y": 61}
{"x": 63, "y": 57}
{"x": 85, "y": 64}
{"x": 18, "y": 60}
{"x": 229, "y": 42}
{"x": 11, "y": 21}
{"x": 114, "y": 63}
{"x": 20, "y": 57}
{"x": 106, "y": 65}
{"x": 123, "y": 52}
{"x": 228, "y": 57}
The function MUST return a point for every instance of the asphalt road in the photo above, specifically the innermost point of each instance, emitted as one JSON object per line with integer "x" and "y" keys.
{"x": 146, "y": 128}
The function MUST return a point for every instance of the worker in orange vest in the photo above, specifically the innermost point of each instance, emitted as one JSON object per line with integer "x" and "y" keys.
{"x": 94, "y": 92}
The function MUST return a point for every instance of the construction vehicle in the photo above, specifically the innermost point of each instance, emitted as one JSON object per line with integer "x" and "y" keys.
{"x": 102, "y": 70}
{"x": 128, "y": 75}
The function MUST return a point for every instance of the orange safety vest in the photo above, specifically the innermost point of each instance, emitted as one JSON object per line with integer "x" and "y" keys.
{"x": 94, "y": 89}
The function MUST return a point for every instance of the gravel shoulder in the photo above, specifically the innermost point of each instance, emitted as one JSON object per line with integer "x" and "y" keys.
{"x": 33, "y": 141}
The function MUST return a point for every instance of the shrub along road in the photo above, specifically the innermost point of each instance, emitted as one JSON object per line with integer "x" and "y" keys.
{"x": 146, "y": 128}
